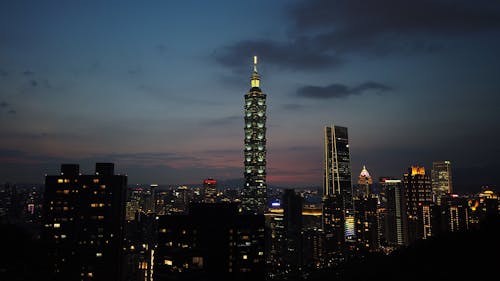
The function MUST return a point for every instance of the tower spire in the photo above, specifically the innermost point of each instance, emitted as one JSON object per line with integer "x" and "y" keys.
{"x": 255, "y": 80}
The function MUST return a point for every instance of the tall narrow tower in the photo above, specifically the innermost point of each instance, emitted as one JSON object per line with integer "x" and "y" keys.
{"x": 337, "y": 178}
{"x": 255, "y": 189}
{"x": 338, "y": 209}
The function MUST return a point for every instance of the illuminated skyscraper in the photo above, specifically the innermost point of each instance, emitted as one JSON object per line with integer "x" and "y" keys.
{"x": 441, "y": 180}
{"x": 365, "y": 181}
{"x": 337, "y": 179}
{"x": 365, "y": 215}
{"x": 395, "y": 219}
{"x": 338, "y": 210}
{"x": 255, "y": 189}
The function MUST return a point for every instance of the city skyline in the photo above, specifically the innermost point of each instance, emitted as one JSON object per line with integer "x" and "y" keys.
{"x": 158, "y": 89}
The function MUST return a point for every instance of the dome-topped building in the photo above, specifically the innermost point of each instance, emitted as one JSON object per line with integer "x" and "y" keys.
{"x": 365, "y": 180}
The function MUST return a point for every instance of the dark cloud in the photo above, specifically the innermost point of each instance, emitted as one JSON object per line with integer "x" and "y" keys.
{"x": 7, "y": 107}
{"x": 20, "y": 156}
{"x": 360, "y": 18}
{"x": 340, "y": 90}
{"x": 389, "y": 25}
{"x": 28, "y": 73}
{"x": 323, "y": 33}
{"x": 11, "y": 153}
{"x": 33, "y": 83}
{"x": 296, "y": 54}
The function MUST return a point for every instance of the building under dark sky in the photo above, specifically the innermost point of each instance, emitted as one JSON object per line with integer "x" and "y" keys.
{"x": 337, "y": 185}
{"x": 417, "y": 197}
{"x": 212, "y": 242}
{"x": 255, "y": 188}
{"x": 83, "y": 225}
{"x": 441, "y": 178}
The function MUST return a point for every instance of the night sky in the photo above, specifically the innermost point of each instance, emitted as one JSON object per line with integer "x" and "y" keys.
{"x": 158, "y": 87}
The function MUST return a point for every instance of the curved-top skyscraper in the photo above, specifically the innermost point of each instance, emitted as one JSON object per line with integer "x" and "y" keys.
{"x": 255, "y": 190}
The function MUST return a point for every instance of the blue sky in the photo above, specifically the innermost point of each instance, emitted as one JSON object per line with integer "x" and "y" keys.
{"x": 157, "y": 87}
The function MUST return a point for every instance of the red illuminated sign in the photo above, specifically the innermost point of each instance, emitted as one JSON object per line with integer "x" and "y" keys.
{"x": 210, "y": 181}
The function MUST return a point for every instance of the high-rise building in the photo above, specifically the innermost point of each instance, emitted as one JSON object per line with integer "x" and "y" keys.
{"x": 366, "y": 224}
{"x": 292, "y": 222}
{"x": 418, "y": 196}
{"x": 313, "y": 249}
{"x": 139, "y": 200}
{"x": 338, "y": 209}
{"x": 255, "y": 190}
{"x": 213, "y": 242}
{"x": 365, "y": 181}
{"x": 209, "y": 190}
{"x": 366, "y": 215}
{"x": 395, "y": 218}
{"x": 83, "y": 223}
{"x": 337, "y": 178}
{"x": 275, "y": 239}
{"x": 441, "y": 180}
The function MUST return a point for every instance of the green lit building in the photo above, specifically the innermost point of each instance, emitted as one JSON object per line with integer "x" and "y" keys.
{"x": 255, "y": 190}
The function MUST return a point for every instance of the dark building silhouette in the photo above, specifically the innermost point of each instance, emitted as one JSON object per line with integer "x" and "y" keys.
{"x": 83, "y": 223}
{"x": 418, "y": 203}
{"x": 366, "y": 218}
{"x": 333, "y": 224}
{"x": 292, "y": 222}
{"x": 395, "y": 212}
{"x": 255, "y": 189}
{"x": 140, "y": 241}
{"x": 212, "y": 242}
{"x": 275, "y": 239}
{"x": 313, "y": 249}
{"x": 455, "y": 213}
{"x": 468, "y": 255}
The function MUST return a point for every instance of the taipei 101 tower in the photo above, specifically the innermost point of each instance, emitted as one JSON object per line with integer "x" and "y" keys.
{"x": 254, "y": 199}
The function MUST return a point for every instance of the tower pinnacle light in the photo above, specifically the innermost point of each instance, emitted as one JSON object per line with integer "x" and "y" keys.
{"x": 255, "y": 79}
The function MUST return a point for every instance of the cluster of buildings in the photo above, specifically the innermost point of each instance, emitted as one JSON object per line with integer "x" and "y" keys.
{"x": 96, "y": 228}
